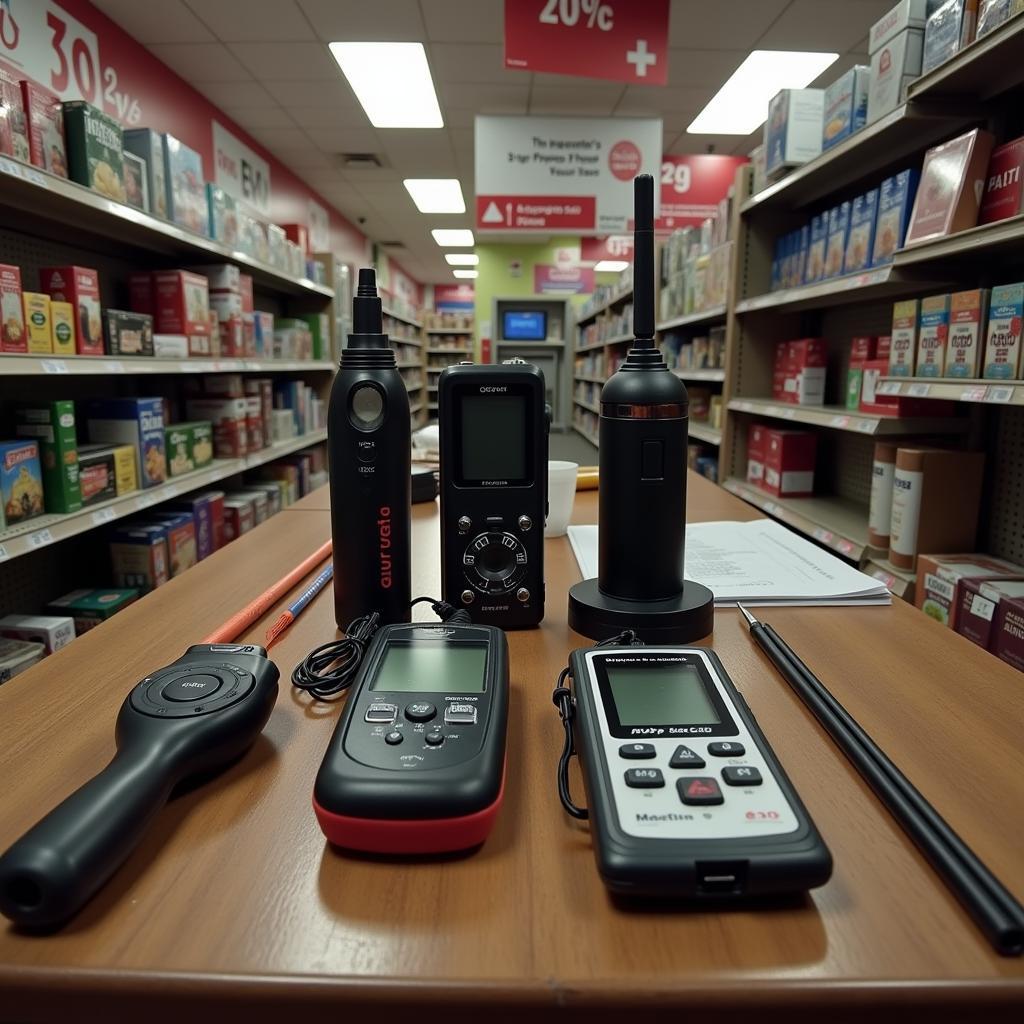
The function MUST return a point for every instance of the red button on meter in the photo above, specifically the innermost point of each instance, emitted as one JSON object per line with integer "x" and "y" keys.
{"x": 699, "y": 792}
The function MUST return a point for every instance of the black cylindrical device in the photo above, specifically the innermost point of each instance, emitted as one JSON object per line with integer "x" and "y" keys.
{"x": 369, "y": 454}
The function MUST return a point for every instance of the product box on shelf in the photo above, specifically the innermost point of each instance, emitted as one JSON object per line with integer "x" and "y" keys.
{"x": 932, "y": 333}
{"x": 793, "y": 131}
{"x": 17, "y": 656}
{"x": 149, "y": 146}
{"x": 273, "y": 491}
{"x": 1008, "y": 632}
{"x": 21, "y": 481}
{"x": 256, "y": 437}
{"x": 883, "y": 471}
{"x": 263, "y": 332}
{"x": 207, "y": 511}
{"x": 128, "y": 334}
{"x": 912, "y": 14}
{"x": 14, "y": 131}
{"x": 757, "y": 445}
{"x": 135, "y": 421}
{"x": 239, "y": 517}
{"x": 44, "y": 116}
{"x": 980, "y": 604}
{"x": 263, "y": 389}
{"x": 895, "y": 62}
{"x": 52, "y": 631}
{"x": 903, "y": 346}
{"x": 297, "y": 233}
{"x": 223, "y": 216}
{"x": 952, "y": 183}
{"x": 52, "y": 427}
{"x": 260, "y": 503}
{"x": 1003, "y": 183}
{"x": 189, "y": 447}
{"x": 136, "y": 182}
{"x": 181, "y": 540}
{"x": 186, "y": 189}
{"x": 276, "y": 239}
{"x": 38, "y": 332}
{"x": 95, "y": 149}
{"x": 106, "y": 471}
{"x": 846, "y": 106}
{"x": 799, "y": 375}
{"x": 138, "y": 556}
{"x": 862, "y": 349}
{"x": 62, "y": 327}
{"x": 935, "y": 502}
{"x": 967, "y": 312}
{"x": 229, "y": 419}
{"x": 814, "y": 268}
{"x": 939, "y": 579}
{"x": 170, "y": 346}
{"x": 79, "y": 286}
{"x": 992, "y": 13}
{"x": 895, "y": 199}
{"x": 181, "y": 305}
{"x": 90, "y": 608}
{"x": 860, "y": 241}
{"x": 789, "y": 463}
{"x": 835, "y": 245}
{"x": 1003, "y": 339}
{"x": 13, "y": 336}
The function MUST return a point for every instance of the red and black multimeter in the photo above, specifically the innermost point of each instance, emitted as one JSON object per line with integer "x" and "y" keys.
{"x": 417, "y": 761}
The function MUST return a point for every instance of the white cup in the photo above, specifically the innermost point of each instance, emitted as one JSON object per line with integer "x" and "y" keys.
{"x": 561, "y": 492}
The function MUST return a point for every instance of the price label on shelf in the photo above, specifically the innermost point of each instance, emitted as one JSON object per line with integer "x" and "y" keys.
{"x": 103, "y": 515}
{"x": 887, "y": 578}
{"x": 888, "y": 387}
{"x": 114, "y": 366}
{"x": 789, "y": 413}
{"x": 20, "y": 170}
{"x": 918, "y": 390}
{"x": 825, "y": 536}
{"x": 39, "y": 539}
{"x": 3, "y": 554}
{"x": 845, "y": 547}
{"x": 53, "y": 365}
{"x": 973, "y": 394}
{"x": 839, "y": 422}
{"x": 867, "y": 426}
{"x": 188, "y": 366}
{"x": 999, "y": 393}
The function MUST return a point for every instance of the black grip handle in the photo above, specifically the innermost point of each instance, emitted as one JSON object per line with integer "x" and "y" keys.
{"x": 52, "y": 870}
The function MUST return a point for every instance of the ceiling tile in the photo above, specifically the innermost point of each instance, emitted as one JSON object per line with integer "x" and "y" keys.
{"x": 638, "y": 101}
{"x": 201, "y": 62}
{"x": 471, "y": 62}
{"x": 328, "y": 95}
{"x": 562, "y": 81}
{"x": 167, "y": 22}
{"x": 237, "y": 95}
{"x": 573, "y": 101}
{"x": 699, "y": 69}
{"x": 285, "y": 138}
{"x": 376, "y": 20}
{"x": 303, "y": 159}
{"x": 256, "y": 118}
{"x": 826, "y": 25}
{"x": 505, "y": 99}
{"x": 464, "y": 21}
{"x": 685, "y": 143}
{"x": 288, "y": 62}
{"x": 330, "y": 117}
{"x": 419, "y": 153}
{"x": 345, "y": 140}
{"x": 235, "y": 21}
{"x": 736, "y": 25}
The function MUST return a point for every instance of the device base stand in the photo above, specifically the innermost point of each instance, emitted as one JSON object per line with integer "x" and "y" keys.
{"x": 678, "y": 620}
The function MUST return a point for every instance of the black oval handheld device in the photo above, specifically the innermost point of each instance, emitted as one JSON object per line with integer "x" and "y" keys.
{"x": 417, "y": 761}
{"x": 191, "y": 717}
{"x": 370, "y": 456}
{"x": 685, "y": 796}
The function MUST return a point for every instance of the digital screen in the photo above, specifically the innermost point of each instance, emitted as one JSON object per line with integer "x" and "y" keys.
{"x": 660, "y": 694}
{"x": 432, "y": 666}
{"x": 494, "y": 437}
{"x": 526, "y": 325}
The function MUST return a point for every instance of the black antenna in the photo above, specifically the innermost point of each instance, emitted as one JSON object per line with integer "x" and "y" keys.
{"x": 643, "y": 261}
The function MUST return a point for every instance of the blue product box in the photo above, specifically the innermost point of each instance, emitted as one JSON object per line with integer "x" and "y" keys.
{"x": 223, "y": 216}
{"x": 815, "y": 265}
{"x": 1003, "y": 341}
{"x": 200, "y": 507}
{"x": 776, "y": 282}
{"x": 835, "y": 245}
{"x": 135, "y": 421}
{"x": 186, "y": 189}
{"x": 895, "y": 202}
{"x": 861, "y": 238}
{"x": 804, "y": 247}
{"x": 846, "y": 106}
{"x": 787, "y": 260}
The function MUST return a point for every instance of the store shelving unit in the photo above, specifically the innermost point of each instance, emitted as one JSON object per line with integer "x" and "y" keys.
{"x": 444, "y": 346}
{"x": 837, "y": 417}
{"x": 406, "y": 334}
{"x": 94, "y": 366}
{"x": 989, "y": 392}
{"x": 716, "y": 314}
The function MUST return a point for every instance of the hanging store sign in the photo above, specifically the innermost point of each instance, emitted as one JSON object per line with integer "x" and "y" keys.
{"x": 692, "y": 184}
{"x": 239, "y": 171}
{"x": 549, "y": 279}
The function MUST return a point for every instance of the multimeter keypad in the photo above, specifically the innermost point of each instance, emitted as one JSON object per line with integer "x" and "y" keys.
{"x": 741, "y": 775}
{"x": 637, "y": 751}
{"x": 381, "y": 713}
{"x": 645, "y": 778}
{"x": 701, "y": 791}
{"x": 421, "y": 711}
{"x": 727, "y": 749}
{"x": 684, "y": 757}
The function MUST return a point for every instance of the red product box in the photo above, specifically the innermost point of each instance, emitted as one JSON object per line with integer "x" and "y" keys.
{"x": 181, "y": 305}
{"x": 299, "y": 234}
{"x": 248, "y": 315}
{"x": 1008, "y": 638}
{"x": 239, "y": 518}
{"x": 757, "y": 447}
{"x": 980, "y": 607}
{"x": 229, "y": 417}
{"x": 1003, "y": 183}
{"x": 81, "y": 287}
{"x": 789, "y": 463}
{"x": 863, "y": 349}
{"x": 140, "y": 293}
{"x": 884, "y": 346}
{"x": 13, "y": 334}
{"x": 807, "y": 353}
{"x": 263, "y": 388}
{"x": 254, "y": 423}
{"x": 215, "y": 500}
{"x": 44, "y": 115}
{"x": 13, "y": 125}
{"x": 232, "y": 336}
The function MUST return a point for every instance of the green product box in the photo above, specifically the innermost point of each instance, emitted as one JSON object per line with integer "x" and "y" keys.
{"x": 189, "y": 446}
{"x": 319, "y": 327}
{"x": 91, "y": 607}
{"x": 53, "y": 427}
{"x": 95, "y": 149}
{"x": 854, "y": 381}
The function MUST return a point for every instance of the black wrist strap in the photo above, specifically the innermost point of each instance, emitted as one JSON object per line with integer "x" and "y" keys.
{"x": 562, "y": 699}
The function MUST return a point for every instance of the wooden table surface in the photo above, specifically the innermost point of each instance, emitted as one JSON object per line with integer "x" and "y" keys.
{"x": 234, "y": 904}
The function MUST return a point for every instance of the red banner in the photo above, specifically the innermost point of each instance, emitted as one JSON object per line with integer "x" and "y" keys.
{"x": 611, "y": 247}
{"x": 623, "y": 40}
{"x": 691, "y": 187}
{"x": 536, "y": 212}
{"x": 548, "y": 279}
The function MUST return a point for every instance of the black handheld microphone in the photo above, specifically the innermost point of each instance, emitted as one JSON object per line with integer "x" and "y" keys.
{"x": 370, "y": 456}
{"x": 193, "y": 716}
{"x": 642, "y": 483}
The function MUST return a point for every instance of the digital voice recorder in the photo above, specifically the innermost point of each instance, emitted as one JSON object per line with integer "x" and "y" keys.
{"x": 494, "y": 471}
{"x": 417, "y": 761}
{"x": 685, "y": 796}
{"x": 370, "y": 458}
{"x": 193, "y": 716}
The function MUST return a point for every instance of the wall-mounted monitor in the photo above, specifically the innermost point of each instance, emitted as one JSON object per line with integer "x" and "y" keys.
{"x": 524, "y": 325}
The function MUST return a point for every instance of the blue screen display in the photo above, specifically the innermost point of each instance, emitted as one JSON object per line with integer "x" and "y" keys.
{"x": 525, "y": 326}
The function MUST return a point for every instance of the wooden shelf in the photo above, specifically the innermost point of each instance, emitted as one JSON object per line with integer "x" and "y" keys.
{"x": 993, "y": 241}
{"x": 587, "y": 405}
{"x": 900, "y": 582}
{"x": 616, "y": 339}
{"x": 590, "y": 380}
{"x": 709, "y": 375}
{"x": 413, "y": 409}
{"x": 41, "y": 531}
{"x": 706, "y": 316}
{"x": 990, "y": 392}
{"x": 398, "y": 316}
{"x": 448, "y": 351}
{"x": 705, "y": 432}
{"x": 613, "y": 301}
{"x": 45, "y": 204}
{"x": 868, "y": 286}
{"x": 592, "y": 438}
{"x": 449, "y": 330}
{"x": 837, "y": 417}
{"x": 92, "y": 366}
{"x": 838, "y": 523}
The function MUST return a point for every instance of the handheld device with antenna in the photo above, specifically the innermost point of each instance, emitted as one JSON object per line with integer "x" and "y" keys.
{"x": 642, "y": 483}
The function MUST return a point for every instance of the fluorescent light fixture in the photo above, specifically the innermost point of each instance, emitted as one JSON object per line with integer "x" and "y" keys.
{"x": 741, "y": 105}
{"x": 436, "y": 195}
{"x": 470, "y": 274}
{"x": 610, "y": 266}
{"x": 392, "y": 81}
{"x": 462, "y": 259}
{"x": 453, "y": 238}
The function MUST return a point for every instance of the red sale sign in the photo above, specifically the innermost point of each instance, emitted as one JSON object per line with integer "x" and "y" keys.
{"x": 612, "y": 247}
{"x": 549, "y": 279}
{"x": 536, "y": 212}
{"x": 691, "y": 186}
{"x": 623, "y": 40}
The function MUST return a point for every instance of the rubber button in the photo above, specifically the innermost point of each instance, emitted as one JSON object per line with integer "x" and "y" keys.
{"x": 393, "y": 738}
{"x": 434, "y": 739}
{"x": 191, "y": 686}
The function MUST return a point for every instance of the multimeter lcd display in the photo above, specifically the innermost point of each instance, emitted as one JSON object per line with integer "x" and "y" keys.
{"x": 660, "y": 694}
{"x": 494, "y": 438}
{"x": 425, "y": 666}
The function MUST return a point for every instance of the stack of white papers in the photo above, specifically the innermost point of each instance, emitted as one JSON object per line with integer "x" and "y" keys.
{"x": 760, "y": 562}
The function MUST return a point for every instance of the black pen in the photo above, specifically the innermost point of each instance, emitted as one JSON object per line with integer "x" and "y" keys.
{"x": 993, "y": 908}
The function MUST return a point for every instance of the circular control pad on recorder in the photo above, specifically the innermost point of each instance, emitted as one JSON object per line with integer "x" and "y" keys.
{"x": 187, "y": 692}
{"x": 494, "y": 563}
